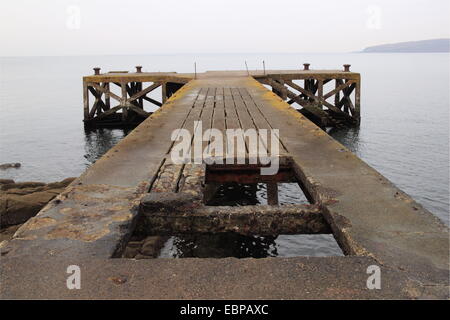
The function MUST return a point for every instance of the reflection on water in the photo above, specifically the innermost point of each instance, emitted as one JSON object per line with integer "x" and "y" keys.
{"x": 224, "y": 245}
{"x": 238, "y": 194}
{"x": 99, "y": 141}
{"x": 349, "y": 137}
{"x": 219, "y": 245}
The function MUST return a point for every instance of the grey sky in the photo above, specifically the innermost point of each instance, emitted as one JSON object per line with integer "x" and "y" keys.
{"x": 60, "y": 27}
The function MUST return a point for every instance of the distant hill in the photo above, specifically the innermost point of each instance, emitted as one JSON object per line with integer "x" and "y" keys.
{"x": 434, "y": 45}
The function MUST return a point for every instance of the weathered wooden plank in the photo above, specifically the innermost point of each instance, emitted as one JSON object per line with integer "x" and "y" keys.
{"x": 236, "y": 151}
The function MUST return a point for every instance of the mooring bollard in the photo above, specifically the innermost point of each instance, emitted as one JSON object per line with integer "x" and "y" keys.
{"x": 138, "y": 69}
{"x": 306, "y": 66}
{"x": 97, "y": 71}
{"x": 347, "y": 67}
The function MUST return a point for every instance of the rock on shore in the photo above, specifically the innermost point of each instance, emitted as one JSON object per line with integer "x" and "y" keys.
{"x": 23, "y": 200}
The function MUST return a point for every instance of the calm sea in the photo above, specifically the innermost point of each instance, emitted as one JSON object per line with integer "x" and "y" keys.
{"x": 404, "y": 132}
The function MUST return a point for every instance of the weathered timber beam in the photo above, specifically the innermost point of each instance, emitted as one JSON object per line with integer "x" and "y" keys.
{"x": 86, "y": 101}
{"x": 319, "y": 100}
{"x": 139, "y": 110}
{"x": 106, "y": 91}
{"x": 159, "y": 104}
{"x": 99, "y": 105}
{"x": 311, "y": 107}
{"x": 108, "y": 113}
{"x": 338, "y": 88}
{"x": 124, "y": 102}
{"x": 144, "y": 92}
{"x": 248, "y": 176}
{"x": 172, "y": 213}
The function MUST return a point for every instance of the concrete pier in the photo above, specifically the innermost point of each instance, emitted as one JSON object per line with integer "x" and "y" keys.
{"x": 136, "y": 185}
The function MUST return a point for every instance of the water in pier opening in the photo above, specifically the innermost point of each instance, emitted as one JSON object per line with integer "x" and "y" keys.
{"x": 224, "y": 245}
{"x": 238, "y": 194}
{"x": 241, "y": 185}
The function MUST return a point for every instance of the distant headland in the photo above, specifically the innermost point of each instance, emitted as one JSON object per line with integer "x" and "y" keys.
{"x": 432, "y": 45}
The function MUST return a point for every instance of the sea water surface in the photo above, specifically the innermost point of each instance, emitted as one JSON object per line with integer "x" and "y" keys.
{"x": 404, "y": 133}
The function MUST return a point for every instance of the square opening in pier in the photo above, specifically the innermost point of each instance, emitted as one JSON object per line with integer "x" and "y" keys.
{"x": 238, "y": 218}
{"x": 240, "y": 185}
{"x": 229, "y": 244}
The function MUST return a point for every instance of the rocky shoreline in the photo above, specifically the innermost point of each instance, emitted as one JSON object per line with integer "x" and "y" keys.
{"x": 19, "y": 201}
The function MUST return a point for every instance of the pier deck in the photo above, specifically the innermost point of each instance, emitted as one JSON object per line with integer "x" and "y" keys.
{"x": 137, "y": 184}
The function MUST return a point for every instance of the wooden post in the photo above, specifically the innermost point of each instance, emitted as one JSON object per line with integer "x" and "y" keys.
{"x": 86, "y": 101}
{"x": 320, "y": 91}
{"x": 141, "y": 100}
{"x": 337, "y": 95}
{"x": 164, "y": 92}
{"x": 346, "y": 104}
{"x": 358, "y": 100}
{"x": 124, "y": 101}
{"x": 107, "y": 98}
{"x": 272, "y": 194}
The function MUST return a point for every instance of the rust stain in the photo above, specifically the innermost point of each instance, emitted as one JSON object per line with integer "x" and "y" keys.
{"x": 75, "y": 232}
{"x": 118, "y": 280}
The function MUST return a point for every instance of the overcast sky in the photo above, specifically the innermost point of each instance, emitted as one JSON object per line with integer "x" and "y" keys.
{"x": 83, "y": 27}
